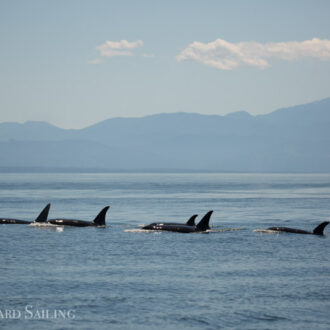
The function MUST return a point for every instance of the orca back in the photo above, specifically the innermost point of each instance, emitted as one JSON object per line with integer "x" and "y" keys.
{"x": 191, "y": 221}
{"x": 319, "y": 229}
{"x": 42, "y": 217}
{"x": 204, "y": 223}
{"x": 100, "y": 218}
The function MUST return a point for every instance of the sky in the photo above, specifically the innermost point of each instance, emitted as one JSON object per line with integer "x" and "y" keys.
{"x": 75, "y": 63}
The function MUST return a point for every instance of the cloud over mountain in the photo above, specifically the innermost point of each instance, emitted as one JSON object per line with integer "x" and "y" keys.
{"x": 225, "y": 55}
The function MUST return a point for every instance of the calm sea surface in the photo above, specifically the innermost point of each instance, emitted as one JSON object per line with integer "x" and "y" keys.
{"x": 122, "y": 278}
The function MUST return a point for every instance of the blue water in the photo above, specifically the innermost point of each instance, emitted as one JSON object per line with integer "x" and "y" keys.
{"x": 119, "y": 278}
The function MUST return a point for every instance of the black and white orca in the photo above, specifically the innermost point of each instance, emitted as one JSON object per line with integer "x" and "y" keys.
{"x": 99, "y": 221}
{"x": 203, "y": 225}
{"x": 317, "y": 230}
{"x": 42, "y": 217}
{"x": 190, "y": 222}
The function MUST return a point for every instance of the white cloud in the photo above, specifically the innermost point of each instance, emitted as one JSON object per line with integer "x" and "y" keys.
{"x": 118, "y": 48}
{"x": 224, "y": 55}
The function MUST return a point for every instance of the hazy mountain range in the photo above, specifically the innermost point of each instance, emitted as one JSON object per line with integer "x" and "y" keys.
{"x": 295, "y": 139}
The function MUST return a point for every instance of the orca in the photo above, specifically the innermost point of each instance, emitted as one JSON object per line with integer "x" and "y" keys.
{"x": 190, "y": 222}
{"x": 99, "y": 221}
{"x": 203, "y": 225}
{"x": 42, "y": 217}
{"x": 317, "y": 230}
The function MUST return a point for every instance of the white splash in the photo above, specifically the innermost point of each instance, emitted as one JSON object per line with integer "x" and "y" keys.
{"x": 41, "y": 224}
{"x": 138, "y": 231}
{"x": 266, "y": 231}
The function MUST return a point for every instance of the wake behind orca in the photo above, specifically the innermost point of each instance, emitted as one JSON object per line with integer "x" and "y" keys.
{"x": 318, "y": 230}
{"x": 99, "y": 221}
{"x": 42, "y": 217}
{"x": 203, "y": 225}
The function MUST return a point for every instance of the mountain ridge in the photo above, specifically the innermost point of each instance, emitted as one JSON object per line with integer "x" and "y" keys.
{"x": 295, "y": 139}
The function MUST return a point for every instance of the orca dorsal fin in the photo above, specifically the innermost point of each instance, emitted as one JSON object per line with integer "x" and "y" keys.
{"x": 42, "y": 217}
{"x": 204, "y": 223}
{"x": 100, "y": 218}
{"x": 319, "y": 229}
{"x": 191, "y": 221}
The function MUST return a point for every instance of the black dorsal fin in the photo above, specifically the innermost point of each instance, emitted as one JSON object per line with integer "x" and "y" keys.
{"x": 191, "y": 221}
{"x": 204, "y": 223}
{"x": 100, "y": 218}
{"x": 42, "y": 217}
{"x": 319, "y": 229}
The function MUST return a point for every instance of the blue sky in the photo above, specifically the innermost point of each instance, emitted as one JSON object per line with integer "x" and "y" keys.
{"x": 75, "y": 63}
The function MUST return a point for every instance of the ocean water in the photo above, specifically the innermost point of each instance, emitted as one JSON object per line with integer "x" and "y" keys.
{"x": 120, "y": 277}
